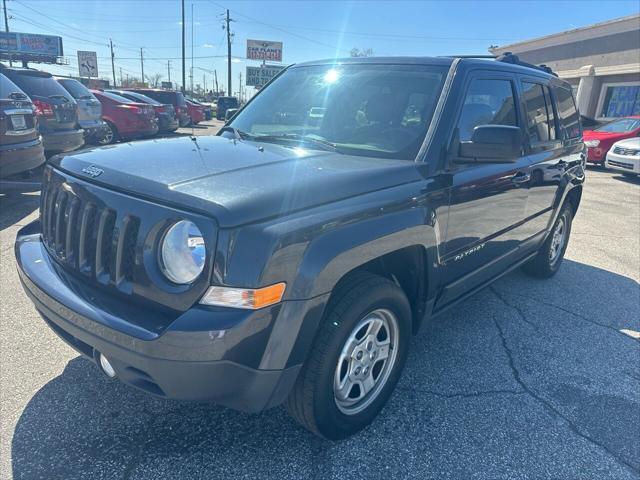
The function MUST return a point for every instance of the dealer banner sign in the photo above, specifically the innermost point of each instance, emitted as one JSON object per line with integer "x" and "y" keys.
{"x": 30, "y": 44}
{"x": 260, "y": 76}
{"x": 264, "y": 50}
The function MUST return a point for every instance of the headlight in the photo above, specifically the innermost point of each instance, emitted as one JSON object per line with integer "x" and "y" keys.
{"x": 592, "y": 143}
{"x": 182, "y": 253}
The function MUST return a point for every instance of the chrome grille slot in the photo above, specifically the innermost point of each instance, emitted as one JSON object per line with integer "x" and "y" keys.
{"x": 106, "y": 223}
{"x": 86, "y": 250}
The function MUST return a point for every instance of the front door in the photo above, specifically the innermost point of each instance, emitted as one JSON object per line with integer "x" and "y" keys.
{"x": 487, "y": 200}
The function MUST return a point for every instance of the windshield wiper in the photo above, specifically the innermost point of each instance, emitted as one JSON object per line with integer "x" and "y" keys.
{"x": 238, "y": 134}
{"x": 325, "y": 144}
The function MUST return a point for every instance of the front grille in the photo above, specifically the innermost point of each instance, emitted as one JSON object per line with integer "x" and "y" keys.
{"x": 616, "y": 163}
{"x": 109, "y": 240}
{"x": 90, "y": 238}
{"x": 626, "y": 151}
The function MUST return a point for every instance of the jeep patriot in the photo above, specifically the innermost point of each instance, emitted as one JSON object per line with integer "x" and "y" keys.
{"x": 290, "y": 258}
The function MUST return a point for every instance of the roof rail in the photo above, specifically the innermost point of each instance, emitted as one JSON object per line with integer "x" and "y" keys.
{"x": 508, "y": 57}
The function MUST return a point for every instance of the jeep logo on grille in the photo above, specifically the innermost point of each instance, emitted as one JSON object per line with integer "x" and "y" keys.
{"x": 93, "y": 171}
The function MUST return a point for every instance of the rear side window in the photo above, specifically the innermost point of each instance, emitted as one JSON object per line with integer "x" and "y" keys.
{"x": 540, "y": 116}
{"x": 568, "y": 113}
{"x": 38, "y": 84}
{"x": 138, "y": 97}
{"x": 116, "y": 98}
{"x": 488, "y": 102}
{"x": 7, "y": 87}
{"x": 76, "y": 89}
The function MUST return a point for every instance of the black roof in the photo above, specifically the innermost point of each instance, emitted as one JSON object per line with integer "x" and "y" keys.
{"x": 506, "y": 62}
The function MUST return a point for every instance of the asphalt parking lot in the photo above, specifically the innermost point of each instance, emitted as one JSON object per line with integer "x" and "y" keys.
{"x": 528, "y": 379}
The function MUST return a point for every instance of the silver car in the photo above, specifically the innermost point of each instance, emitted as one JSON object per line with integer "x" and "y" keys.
{"x": 89, "y": 109}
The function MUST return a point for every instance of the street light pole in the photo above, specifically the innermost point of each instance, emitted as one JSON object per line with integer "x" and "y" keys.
{"x": 169, "y": 70}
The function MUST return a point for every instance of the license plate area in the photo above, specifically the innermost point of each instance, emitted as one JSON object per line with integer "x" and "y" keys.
{"x": 18, "y": 122}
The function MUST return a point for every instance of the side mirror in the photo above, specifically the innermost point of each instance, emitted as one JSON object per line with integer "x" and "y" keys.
{"x": 493, "y": 144}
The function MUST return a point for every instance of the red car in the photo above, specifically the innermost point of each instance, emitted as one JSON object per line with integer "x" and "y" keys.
{"x": 196, "y": 112}
{"x": 599, "y": 140}
{"x": 126, "y": 119}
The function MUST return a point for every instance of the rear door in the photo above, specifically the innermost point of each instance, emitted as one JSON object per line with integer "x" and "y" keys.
{"x": 552, "y": 147}
{"x": 487, "y": 200}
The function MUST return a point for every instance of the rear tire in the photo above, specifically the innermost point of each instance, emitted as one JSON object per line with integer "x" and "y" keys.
{"x": 549, "y": 258}
{"x": 356, "y": 360}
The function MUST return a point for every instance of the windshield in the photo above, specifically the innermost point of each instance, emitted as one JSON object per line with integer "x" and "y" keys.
{"x": 620, "y": 126}
{"x": 75, "y": 88}
{"x": 369, "y": 110}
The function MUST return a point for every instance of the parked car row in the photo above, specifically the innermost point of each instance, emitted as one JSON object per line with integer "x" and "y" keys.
{"x": 42, "y": 115}
{"x": 615, "y": 145}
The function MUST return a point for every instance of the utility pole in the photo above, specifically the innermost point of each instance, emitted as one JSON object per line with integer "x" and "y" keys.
{"x": 120, "y": 76}
{"x": 169, "y": 70}
{"x": 228, "y": 20}
{"x": 113, "y": 65}
{"x": 191, "y": 48}
{"x": 204, "y": 82}
{"x": 6, "y": 24}
{"x": 215, "y": 76}
{"x": 240, "y": 89}
{"x": 184, "y": 80}
{"x": 142, "y": 64}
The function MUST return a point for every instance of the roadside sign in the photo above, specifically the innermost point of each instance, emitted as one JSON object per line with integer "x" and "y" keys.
{"x": 167, "y": 85}
{"x": 260, "y": 76}
{"x": 87, "y": 64}
{"x": 264, "y": 50}
{"x": 30, "y": 46}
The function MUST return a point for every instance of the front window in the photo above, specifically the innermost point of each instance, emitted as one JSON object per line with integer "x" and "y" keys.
{"x": 368, "y": 110}
{"x": 624, "y": 125}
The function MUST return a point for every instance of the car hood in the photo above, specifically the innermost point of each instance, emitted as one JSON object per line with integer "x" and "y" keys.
{"x": 607, "y": 136}
{"x": 629, "y": 143}
{"x": 236, "y": 182}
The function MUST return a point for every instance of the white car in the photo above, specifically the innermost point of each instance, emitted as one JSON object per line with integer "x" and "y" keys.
{"x": 624, "y": 156}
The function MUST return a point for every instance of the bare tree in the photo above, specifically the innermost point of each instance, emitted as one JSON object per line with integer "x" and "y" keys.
{"x": 154, "y": 80}
{"x": 364, "y": 52}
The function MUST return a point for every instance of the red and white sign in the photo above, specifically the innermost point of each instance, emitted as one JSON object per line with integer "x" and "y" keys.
{"x": 264, "y": 50}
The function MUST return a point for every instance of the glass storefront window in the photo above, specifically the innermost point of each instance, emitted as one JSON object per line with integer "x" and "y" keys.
{"x": 620, "y": 100}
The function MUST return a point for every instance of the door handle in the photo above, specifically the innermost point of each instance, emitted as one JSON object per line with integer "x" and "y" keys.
{"x": 521, "y": 177}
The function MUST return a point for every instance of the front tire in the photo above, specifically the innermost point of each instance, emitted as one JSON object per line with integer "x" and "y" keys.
{"x": 549, "y": 258}
{"x": 356, "y": 360}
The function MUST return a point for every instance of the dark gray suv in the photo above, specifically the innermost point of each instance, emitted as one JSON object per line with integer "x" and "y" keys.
{"x": 290, "y": 259}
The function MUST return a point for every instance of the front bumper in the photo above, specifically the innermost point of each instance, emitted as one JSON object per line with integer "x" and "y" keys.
{"x": 243, "y": 359}
{"x": 623, "y": 163}
{"x": 94, "y": 130}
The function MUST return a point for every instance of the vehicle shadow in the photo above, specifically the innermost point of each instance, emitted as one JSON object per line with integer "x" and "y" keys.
{"x": 634, "y": 180}
{"x": 505, "y": 385}
{"x": 16, "y": 206}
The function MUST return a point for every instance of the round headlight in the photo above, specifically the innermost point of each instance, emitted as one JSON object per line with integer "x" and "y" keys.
{"x": 183, "y": 252}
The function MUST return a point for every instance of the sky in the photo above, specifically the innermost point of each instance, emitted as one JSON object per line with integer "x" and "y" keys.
{"x": 308, "y": 29}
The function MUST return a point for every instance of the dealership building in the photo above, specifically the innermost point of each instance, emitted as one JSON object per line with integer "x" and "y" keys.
{"x": 600, "y": 61}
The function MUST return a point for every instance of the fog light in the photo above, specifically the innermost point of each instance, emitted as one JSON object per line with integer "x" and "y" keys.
{"x": 106, "y": 366}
